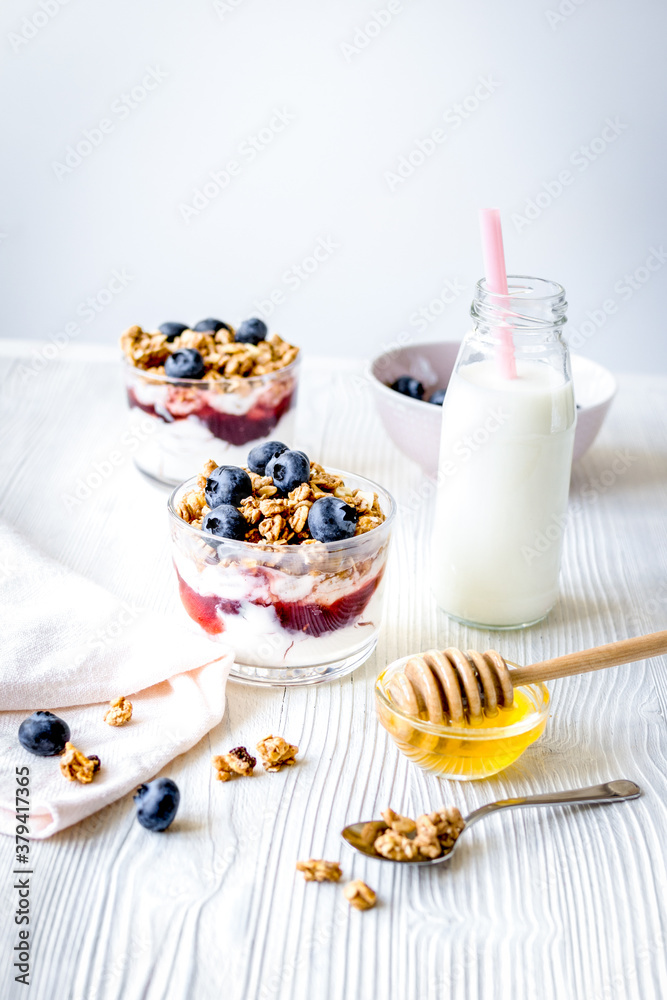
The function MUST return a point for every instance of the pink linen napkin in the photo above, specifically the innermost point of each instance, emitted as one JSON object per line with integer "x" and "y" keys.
{"x": 70, "y": 647}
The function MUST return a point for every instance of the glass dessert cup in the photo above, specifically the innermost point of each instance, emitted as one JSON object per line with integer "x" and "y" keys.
{"x": 464, "y": 753}
{"x": 180, "y": 423}
{"x": 294, "y": 614}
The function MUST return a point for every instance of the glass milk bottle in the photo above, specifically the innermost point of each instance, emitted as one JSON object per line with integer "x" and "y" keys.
{"x": 505, "y": 460}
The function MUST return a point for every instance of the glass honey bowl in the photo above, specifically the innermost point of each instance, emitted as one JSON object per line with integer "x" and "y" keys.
{"x": 464, "y": 753}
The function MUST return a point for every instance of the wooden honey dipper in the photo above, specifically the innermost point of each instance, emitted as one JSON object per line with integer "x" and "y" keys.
{"x": 457, "y": 687}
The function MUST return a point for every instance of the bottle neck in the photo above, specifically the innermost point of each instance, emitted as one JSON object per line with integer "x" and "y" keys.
{"x": 534, "y": 309}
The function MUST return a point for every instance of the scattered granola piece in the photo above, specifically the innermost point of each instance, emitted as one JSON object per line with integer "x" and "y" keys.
{"x": 237, "y": 761}
{"x": 119, "y": 713}
{"x": 396, "y": 846}
{"x": 359, "y": 895}
{"x": 318, "y": 870}
{"x": 275, "y": 752}
{"x": 75, "y": 766}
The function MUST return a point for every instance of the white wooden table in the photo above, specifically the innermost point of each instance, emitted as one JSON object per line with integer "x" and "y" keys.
{"x": 562, "y": 903}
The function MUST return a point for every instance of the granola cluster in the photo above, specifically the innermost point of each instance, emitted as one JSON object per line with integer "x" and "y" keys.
{"x": 223, "y": 358}
{"x": 318, "y": 870}
{"x": 119, "y": 713}
{"x": 237, "y": 762}
{"x": 400, "y": 838}
{"x": 275, "y": 753}
{"x": 75, "y": 766}
{"x": 359, "y": 895}
{"x": 275, "y": 519}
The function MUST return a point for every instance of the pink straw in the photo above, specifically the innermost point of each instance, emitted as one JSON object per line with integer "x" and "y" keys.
{"x": 496, "y": 280}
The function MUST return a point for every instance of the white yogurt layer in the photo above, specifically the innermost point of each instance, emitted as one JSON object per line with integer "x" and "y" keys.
{"x": 174, "y": 452}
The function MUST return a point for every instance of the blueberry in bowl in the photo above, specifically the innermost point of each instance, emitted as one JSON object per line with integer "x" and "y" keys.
{"x": 289, "y": 469}
{"x": 44, "y": 734}
{"x": 437, "y": 397}
{"x": 251, "y": 331}
{"x": 211, "y": 325}
{"x": 187, "y": 363}
{"x": 260, "y": 456}
{"x": 408, "y": 386}
{"x": 157, "y": 803}
{"x": 291, "y": 575}
{"x": 331, "y": 519}
{"x": 227, "y": 484}
{"x": 226, "y": 522}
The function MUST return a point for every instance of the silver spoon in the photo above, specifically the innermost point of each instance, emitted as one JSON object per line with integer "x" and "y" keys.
{"x": 611, "y": 791}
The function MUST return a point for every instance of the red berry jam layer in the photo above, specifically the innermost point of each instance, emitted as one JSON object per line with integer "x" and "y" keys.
{"x": 235, "y": 428}
{"x": 308, "y": 617}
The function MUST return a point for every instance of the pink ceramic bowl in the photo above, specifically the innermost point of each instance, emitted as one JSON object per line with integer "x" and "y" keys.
{"x": 414, "y": 426}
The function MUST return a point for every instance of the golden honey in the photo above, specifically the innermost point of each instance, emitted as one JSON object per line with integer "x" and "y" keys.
{"x": 464, "y": 753}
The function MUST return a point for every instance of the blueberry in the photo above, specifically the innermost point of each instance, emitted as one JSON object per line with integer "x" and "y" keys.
{"x": 251, "y": 331}
{"x": 331, "y": 519}
{"x": 438, "y": 397}
{"x": 289, "y": 469}
{"x": 227, "y": 485}
{"x": 187, "y": 363}
{"x": 408, "y": 386}
{"x": 211, "y": 325}
{"x": 44, "y": 734}
{"x": 172, "y": 330}
{"x": 260, "y": 456}
{"x": 157, "y": 803}
{"x": 226, "y": 522}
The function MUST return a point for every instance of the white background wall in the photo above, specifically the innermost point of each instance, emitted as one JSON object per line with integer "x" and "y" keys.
{"x": 356, "y": 104}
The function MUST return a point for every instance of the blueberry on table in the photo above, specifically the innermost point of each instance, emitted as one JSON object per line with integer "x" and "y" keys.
{"x": 251, "y": 331}
{"x": 172, "y": 330}
{"x": 157, "y": 803}
{"x": 288, "y": 470}
{"x": 187, "y": 363}
{"x": 44, "y": 734}
{"x": 331, "y": 519}
{"x": 438, "y": 397}
{"x": 228, "y": 484}
{"x": 211, "y": 325}
{"x": 226, "y": 522}
{"x": 408, "y": 386}
{"x": 260, "y": 456}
